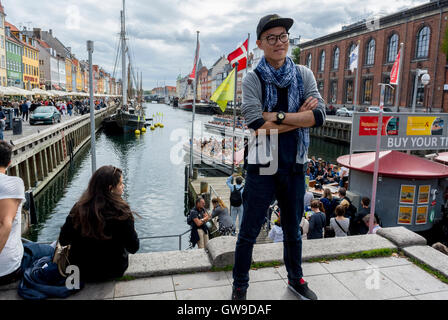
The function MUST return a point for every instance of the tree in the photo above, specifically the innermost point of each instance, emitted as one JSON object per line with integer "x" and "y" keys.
{"x": 444, "y": 46}
{"x": 296, "y": 55}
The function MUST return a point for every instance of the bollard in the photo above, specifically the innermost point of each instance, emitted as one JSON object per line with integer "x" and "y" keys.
{"x": 206, "y": 197}
{"x": 204, "y": 187}
{"x": 195, "y": 173}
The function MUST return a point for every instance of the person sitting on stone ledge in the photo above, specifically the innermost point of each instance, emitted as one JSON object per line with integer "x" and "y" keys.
{"x": 100, "y": 228}
{"x": 12, "y": 196}
{"x": 441, "y": 247}
{"x": 317, "y": 220}
{"x": 376, "y": 226}
{"x": 276, "y": 233}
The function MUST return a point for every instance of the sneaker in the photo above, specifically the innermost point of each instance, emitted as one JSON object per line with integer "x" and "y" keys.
{"x": 239, "y": 294}
{"x": 302, "y": 291}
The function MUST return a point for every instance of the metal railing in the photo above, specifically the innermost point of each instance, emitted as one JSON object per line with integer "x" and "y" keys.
{"x": 143, "y": 238}
{"x": 170, "y": 236}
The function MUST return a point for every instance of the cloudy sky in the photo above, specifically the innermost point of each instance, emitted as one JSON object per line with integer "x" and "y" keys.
{"x": 162, "y": 33}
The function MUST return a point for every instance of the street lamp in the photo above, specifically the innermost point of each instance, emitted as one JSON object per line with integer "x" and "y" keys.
{"x": 425, "y": 80}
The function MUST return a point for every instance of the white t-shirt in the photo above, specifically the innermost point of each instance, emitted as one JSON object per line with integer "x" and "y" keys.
{"x": 12, "y": 253}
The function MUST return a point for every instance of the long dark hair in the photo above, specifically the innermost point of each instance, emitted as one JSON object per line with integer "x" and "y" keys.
{"x": 98, "y": 204}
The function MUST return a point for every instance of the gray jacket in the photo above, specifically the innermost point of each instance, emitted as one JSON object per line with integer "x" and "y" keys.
{"x": 224, "y": 219}
{"x": 252, "y": 106}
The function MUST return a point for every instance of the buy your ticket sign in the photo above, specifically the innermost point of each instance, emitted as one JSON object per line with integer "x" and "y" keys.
{"x": 400, "y": 131}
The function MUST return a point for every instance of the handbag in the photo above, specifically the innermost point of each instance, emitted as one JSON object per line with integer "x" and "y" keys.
{"x": 60, "y": 257}
{"x": 329, "y": 232}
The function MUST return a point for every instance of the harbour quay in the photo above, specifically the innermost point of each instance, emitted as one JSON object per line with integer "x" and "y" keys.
{"x": 39, "y": 157}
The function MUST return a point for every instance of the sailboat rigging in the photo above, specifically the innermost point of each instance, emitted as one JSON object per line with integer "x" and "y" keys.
{"x": 130, "y": 116}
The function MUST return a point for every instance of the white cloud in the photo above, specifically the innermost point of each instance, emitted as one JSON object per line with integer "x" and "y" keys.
{"x": 163, "y": 32}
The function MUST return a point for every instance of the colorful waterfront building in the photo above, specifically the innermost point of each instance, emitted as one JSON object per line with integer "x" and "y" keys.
{"x": 68, "y": 73}
{"x": 3, "y": 72}
{"x": 421, "y": 29}
{"x": 30, "y": 58}
{"x": 14, "y": 54}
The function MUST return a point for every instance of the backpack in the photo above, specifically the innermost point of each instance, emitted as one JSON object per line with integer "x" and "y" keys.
{"x": 189, "y": 219}
{"x": 235, "y": 197}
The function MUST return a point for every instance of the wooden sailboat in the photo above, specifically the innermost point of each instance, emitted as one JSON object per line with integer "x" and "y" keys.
{"x": 130, "y": 115}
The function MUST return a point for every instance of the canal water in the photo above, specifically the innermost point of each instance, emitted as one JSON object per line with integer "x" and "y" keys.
{"x": 154, "y": 178}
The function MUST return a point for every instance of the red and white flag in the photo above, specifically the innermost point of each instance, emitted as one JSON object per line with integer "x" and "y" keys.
{"x": 196, "y": 59}
{"x": 394, "y": 74}
{"x": 240, "y": 56}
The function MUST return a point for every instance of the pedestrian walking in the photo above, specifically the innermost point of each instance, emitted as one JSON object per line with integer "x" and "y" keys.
{"x": 24, "y": 108}
{"x": 282, "y": 99}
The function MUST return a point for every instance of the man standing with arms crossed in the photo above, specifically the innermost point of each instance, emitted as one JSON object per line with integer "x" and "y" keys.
{"x": 280, "y": 100}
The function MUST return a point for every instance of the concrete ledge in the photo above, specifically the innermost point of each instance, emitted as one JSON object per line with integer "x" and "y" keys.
{"x": 323, "y": 248}
{"x": 222, "y": 251}
{"x": 167, "y": 263}
{"x": 11, "y": 286}
{"x": 435, "y": 259}
{"x": 402, "y": 237}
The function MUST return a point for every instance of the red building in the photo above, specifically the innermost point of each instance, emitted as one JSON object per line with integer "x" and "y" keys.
{"x": 421, "y": 30}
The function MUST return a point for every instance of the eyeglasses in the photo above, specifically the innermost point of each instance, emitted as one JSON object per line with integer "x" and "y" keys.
{"x": 272, "y": 39}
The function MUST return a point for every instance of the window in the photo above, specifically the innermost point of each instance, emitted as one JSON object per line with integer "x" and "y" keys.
{"x": 336, "y": 58}
{"x": 333, "y": 91}
{"x": 322, "y": 61}
{"x": 420, "y": 93}
{"x": 349, "y": 52}
{"x": 422, "y": 46}
{"x": 320, "y": 87}
{"x": 392, "y": 48}
{"x": 370, "y": 52}
{"x": 388, "y": 94}
{"x": 367, "y": 91}
{"x": 308, "y": 61}
{"x": 349, "y": 91}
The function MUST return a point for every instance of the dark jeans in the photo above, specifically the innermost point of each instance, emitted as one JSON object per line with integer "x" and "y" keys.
{"x": 25, "y": 115}
{"x": 12, "y": 277}
{"x": 259, "y": 190}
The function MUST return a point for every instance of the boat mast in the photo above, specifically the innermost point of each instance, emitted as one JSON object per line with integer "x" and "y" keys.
{"x": 123, "y": 56}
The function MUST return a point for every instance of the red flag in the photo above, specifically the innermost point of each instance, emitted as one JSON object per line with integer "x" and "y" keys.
{"x": 196, "y": 58}
{"x": 395, "y": 70}
{"x": 240, "y": 56}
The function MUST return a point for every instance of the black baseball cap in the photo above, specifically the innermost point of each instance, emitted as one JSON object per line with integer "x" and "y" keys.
{"x": 271, "y": 21}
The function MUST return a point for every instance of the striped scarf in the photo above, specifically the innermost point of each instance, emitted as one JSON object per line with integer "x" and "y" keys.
{"x": 287, "y": 76}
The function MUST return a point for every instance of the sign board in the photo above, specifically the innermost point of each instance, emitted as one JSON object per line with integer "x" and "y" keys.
{"x": 445, "y": 87}
{"x": 400, "y": 131}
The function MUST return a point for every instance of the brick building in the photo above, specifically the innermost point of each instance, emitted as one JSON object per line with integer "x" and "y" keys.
{"x": 421, "y": 30}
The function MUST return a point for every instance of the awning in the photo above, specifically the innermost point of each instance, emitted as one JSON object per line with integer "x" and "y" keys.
{"x": 395, "y": 164}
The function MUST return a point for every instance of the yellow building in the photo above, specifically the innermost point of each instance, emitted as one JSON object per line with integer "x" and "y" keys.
{"x": 30, "y": 60}
{"x": 68, "y": 75}
{"x": 79, "y": 86}
{"x": 3, "y": 72}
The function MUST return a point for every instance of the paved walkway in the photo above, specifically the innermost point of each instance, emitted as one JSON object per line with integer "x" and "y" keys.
{"x": 28, "y": 130}
{"x": 391, "y": 278}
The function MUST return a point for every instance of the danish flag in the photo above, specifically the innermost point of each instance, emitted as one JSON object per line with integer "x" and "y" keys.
{"x": 240, "y": 56}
